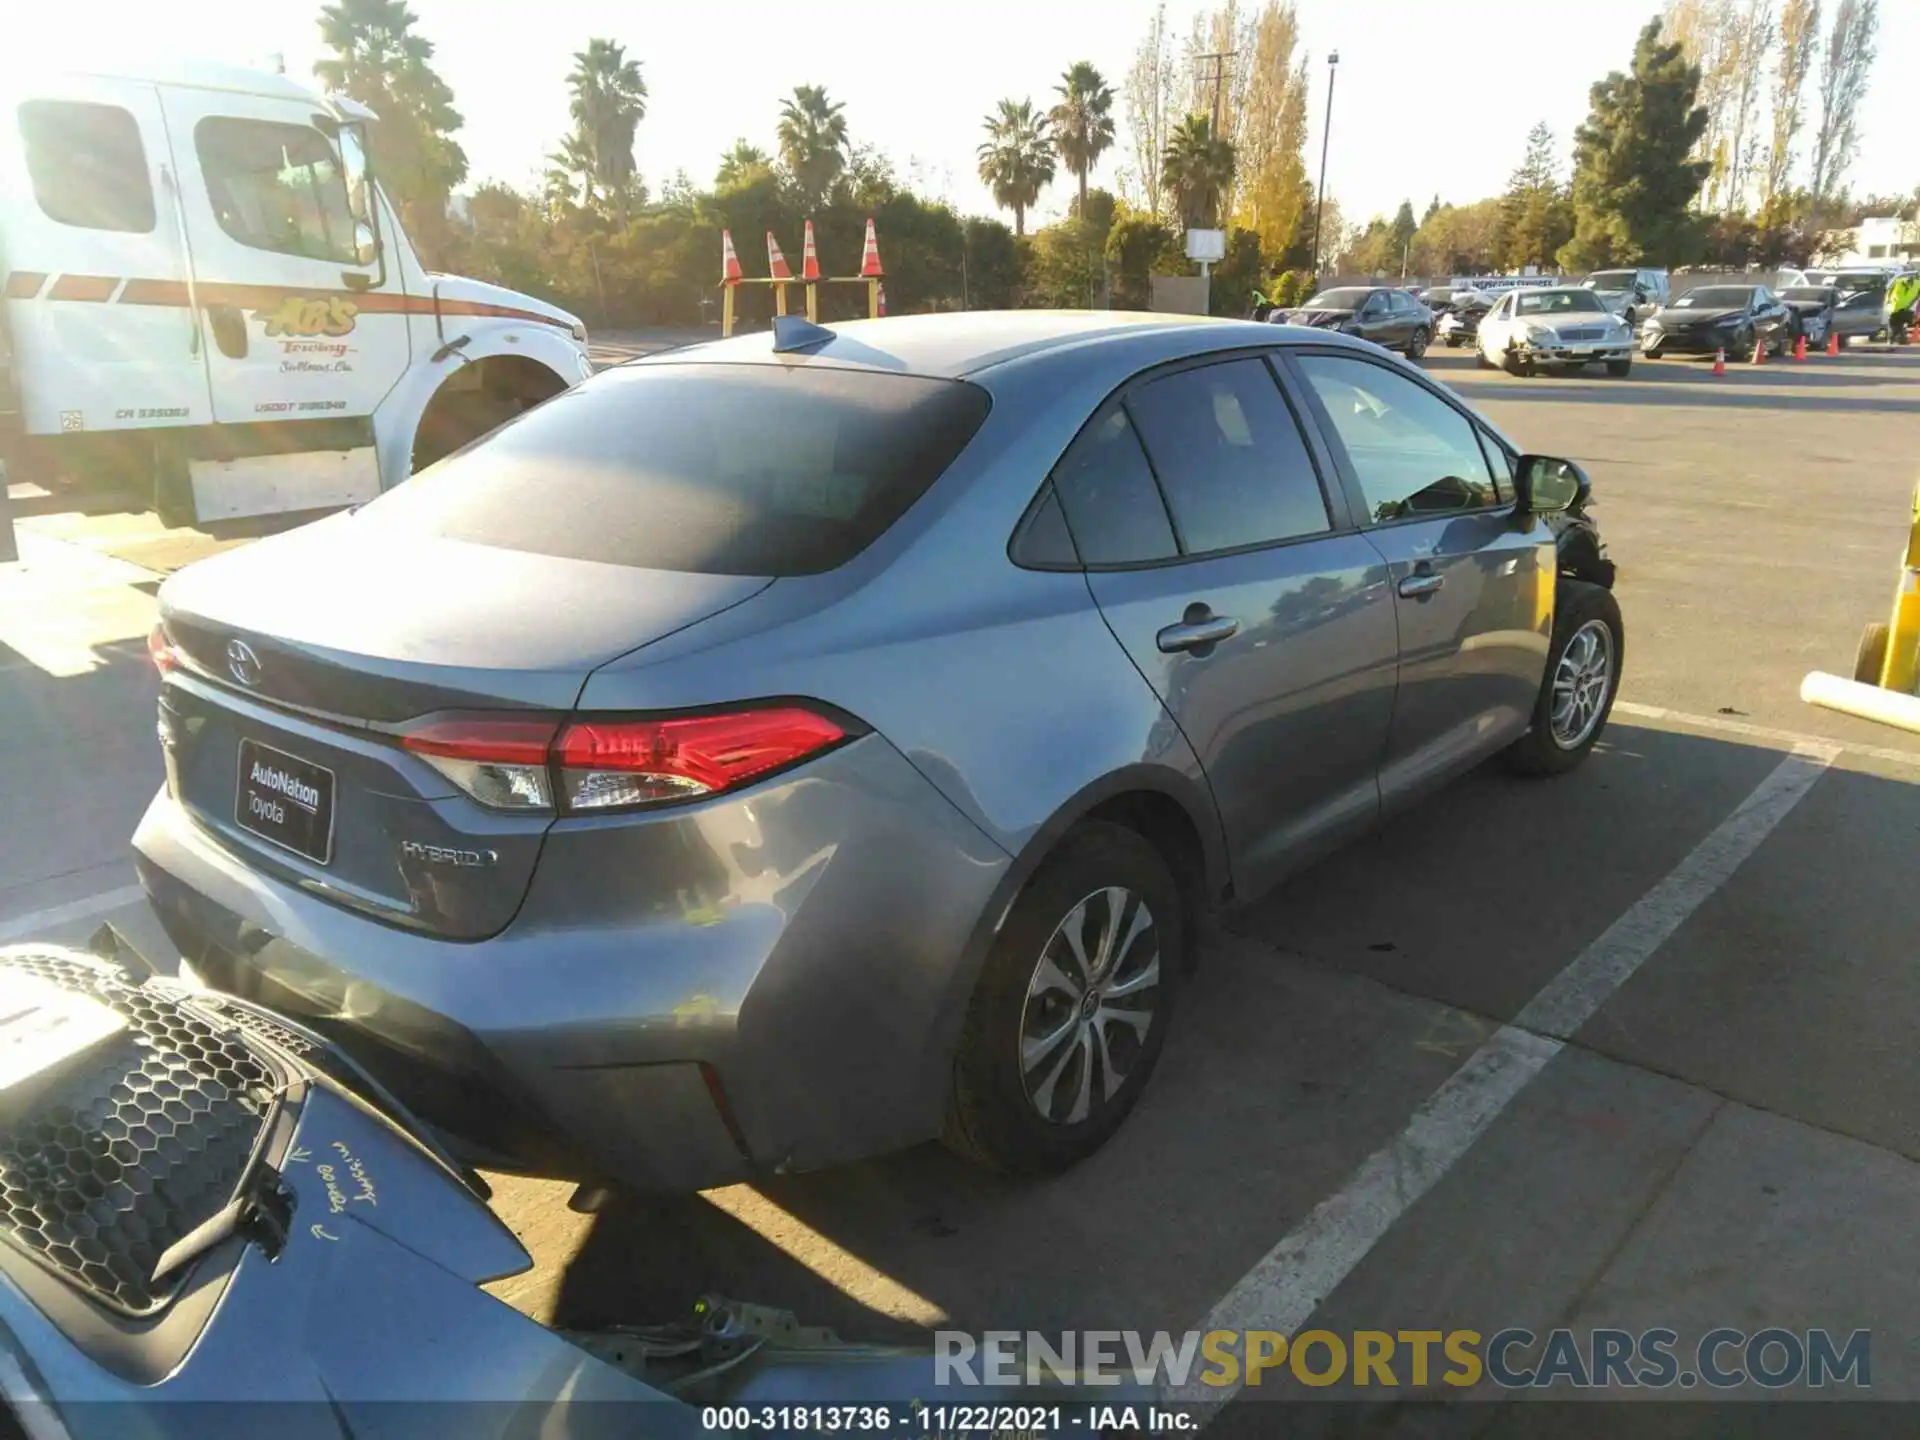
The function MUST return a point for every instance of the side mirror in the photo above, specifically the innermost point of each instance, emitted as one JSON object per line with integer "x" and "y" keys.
{"x": 355, "y": 170}
{"x": 366, "y": 246}
{"x": 1547, "y": 485}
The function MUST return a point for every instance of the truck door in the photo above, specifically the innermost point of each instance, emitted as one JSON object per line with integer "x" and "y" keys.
{"x": 298, "y": 327}
{"x": 88, "y": 225}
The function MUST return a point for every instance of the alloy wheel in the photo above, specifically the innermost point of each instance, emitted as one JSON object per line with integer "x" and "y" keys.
{"x": 1093, "y": 998}
{"x": 1581, "y": 682}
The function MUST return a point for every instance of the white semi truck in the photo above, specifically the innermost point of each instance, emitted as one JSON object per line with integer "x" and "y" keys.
{"x": 207, "y": 298}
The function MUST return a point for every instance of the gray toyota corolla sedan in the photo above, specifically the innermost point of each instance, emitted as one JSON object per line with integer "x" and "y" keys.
{"x": 797, "y": 747}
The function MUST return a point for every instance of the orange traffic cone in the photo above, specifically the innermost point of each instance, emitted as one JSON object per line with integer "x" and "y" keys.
{"x": 1720, "y": 361}
{"x": 730, "y": 272}
{"x": 776, "y": 262}
{"x": 809, "y": 257}
{"x": 1833, "y": 342}
{"x": 1759, "y": 350}
{"x": 1800, "y": 347}
{"x": 870, "y": 257}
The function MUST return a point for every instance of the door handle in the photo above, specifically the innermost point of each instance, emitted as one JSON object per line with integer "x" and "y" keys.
{"x": 1420, "y": 584}
{"x": 1196, "y": 634}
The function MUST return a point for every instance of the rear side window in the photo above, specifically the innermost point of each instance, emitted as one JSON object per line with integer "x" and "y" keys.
{"x": 1106, "y": 487}
{"x": 708, "y": 469}
{"x": 87, "y": 165}
{"x": 276, "y": 187}
{"x": 1230, "y": 457}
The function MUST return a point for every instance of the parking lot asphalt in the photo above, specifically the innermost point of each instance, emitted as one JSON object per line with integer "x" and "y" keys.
{"x": 1630, "y": 1048}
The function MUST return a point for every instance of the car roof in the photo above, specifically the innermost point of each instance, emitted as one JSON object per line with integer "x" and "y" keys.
{"x": 970, "y": 343}
{"x": 36, "y": 70}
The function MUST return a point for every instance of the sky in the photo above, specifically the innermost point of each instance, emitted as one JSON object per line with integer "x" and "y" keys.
{"x": 1427, "y": 100}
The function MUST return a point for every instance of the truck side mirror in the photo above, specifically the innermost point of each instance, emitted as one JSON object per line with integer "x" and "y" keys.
{"x": 366, "y": 245}
{"x": 355, "y": 170}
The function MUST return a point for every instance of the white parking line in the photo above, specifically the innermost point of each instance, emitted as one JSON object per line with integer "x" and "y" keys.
{"x": 1291, "y": 1280}
{"x": 23, "y": 927}
{"x": 1760, "y": 732}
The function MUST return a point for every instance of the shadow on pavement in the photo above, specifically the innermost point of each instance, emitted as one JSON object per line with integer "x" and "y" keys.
{"x": 1311, "y": 1032}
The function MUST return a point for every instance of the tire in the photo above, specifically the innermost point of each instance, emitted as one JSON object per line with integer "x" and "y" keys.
{"x": 1549, "y": 748}
{"x": 1417, "y": 345}
{"x": 1514, "y": 365}
{"x": 1871, "y": 658}
{"x": 1480, "y": 358}
{"x": 995, "y": 1111}
{"x": 1619, "y": 369}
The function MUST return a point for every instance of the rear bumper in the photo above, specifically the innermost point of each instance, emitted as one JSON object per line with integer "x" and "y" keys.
{"x": 766, "y": 982}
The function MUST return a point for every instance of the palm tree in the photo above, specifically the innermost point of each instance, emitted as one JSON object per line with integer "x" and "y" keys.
{"x": 570, "y": 173}
{"x": 609, "y": 102}
{"x": 1198, "y": 169}
{"x": 1016, "y": 159}
{"x": 1082, "y": 121}
{"x": 739, "y": 163}
{"x": 813, "y": 140}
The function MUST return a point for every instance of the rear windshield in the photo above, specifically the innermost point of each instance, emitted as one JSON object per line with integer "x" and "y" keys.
{"x": 709, "y": 469}
{"x": 1806, "y": 292}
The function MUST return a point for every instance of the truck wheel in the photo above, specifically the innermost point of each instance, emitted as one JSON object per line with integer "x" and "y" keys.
{"x": 1583, "y": 673}
{"x": 1871, "y": 658}
{"x": 1055, "y": 1052}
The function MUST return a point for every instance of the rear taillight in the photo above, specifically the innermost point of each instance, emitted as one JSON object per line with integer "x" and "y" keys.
{"x": 513, "y": 763}
{"x": 500, "y": 761}
{"x": 160, "y": 649}
{"x": 606, "y": 764}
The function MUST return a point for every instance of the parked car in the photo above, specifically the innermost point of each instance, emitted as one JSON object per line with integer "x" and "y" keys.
{"x": 1461, "y": 323}
{"x": 1719, "y": 317}
{"x": 1563, "y": 328}
{"x": 1438, "y": 299}
{"x": 780, "y": 751}
{"x": 211, "y": 1211}
{"x": 1814, "y": 308}
{"x": 1390, "y": 318}
{"x": 1634, "y": 294}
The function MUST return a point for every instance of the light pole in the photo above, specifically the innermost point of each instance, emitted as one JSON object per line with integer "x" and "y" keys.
{"x": 1320, "y": 195}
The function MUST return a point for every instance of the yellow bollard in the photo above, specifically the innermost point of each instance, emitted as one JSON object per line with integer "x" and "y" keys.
{"x": 726, "y": 311}
{"x": 813, "y": 301}
{"x": 1898, "y": 670}
{"x": 779, "y": 298}
{"x": 873, "y": 299}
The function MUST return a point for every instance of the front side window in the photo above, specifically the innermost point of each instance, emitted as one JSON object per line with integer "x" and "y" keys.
{"x": 276, "y": 187}
{"x": 87, "y": 165}
{"x": 1230, "y": 457}
{"x": 1413, "y": 454}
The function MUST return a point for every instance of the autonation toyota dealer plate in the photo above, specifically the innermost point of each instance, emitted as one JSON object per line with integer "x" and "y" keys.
{"x": 286, "y": 800}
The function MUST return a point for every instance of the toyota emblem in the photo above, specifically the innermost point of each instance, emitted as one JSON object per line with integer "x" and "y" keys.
{"x": 242, "y": 663}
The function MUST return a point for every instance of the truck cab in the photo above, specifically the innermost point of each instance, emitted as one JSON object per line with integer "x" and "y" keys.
{"x": 208, "y": 298}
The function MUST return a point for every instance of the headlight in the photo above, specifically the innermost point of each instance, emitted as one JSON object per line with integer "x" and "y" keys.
{"x": 1542, "y": 335}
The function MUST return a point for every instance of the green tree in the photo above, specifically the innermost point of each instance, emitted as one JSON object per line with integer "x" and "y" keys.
{"x": 813, "y": 141}
{"x": 569, "y": 178}
{"x": 1632, "y": 181}
{"x": 1082, "y": 121}
{"x": 1238, "y": 275}
{"x": 990, "y": 268}
{"x": 1274, "y": 191}
{"x": 1198, "y": 167}
{"x": 1536, "y": 217}
{"x": 609, "y": 102}
{"x": 1401, "y": 234}
{"x": 1016, "y": 158}
{"x": 379, "y": 61}
{"x": 740, "y": 164}
{"x": 1063, "y": 267}
{"x": 1139, "y": 246}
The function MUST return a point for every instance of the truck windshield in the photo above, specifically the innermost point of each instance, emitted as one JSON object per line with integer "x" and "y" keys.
{"x": 711, "y": 469}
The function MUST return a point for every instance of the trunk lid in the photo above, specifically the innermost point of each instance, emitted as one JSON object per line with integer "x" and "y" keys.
{"x": 303, "y": 658}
